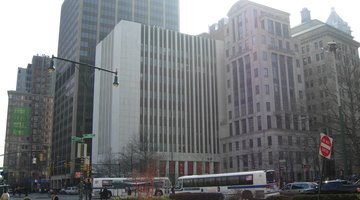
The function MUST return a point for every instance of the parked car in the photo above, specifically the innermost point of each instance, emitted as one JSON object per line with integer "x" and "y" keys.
{"x": 339, "y": 186}
{"x": 72, "y": 190}
{"x": 299, "y": 188}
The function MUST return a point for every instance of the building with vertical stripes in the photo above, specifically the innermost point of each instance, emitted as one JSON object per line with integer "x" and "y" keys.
{"x": 83, "y": 24}
{"x": 169, "y": 98}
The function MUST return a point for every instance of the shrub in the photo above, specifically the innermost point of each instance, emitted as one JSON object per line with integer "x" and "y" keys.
{"x": 279, "y": 198}
{"x": 197, "y": 196}
{"x": 328, "y": 197}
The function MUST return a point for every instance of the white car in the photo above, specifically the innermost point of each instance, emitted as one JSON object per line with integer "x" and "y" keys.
{"x": 72, "y": 190}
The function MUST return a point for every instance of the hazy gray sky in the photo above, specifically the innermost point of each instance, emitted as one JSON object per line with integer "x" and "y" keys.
{"x": 31, "y": 27}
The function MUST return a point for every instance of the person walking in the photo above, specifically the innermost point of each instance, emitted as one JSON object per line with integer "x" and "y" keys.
{"x": 104, "y": 194}
{"x": 26, "y": 197}
{"x": 88, "y": 189}
{"x": 5, "y": 195}
{"x": 54, "y": 195}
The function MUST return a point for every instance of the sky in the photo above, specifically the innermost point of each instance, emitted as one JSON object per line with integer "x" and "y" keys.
{"x": 31, "y": 28}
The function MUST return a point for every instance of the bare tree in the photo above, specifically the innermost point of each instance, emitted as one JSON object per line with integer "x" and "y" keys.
{"x": 340, "y": 111}
{"x": 138, "y": 157}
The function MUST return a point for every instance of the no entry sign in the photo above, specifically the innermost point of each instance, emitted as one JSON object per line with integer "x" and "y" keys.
{"x": 325, "y": 145}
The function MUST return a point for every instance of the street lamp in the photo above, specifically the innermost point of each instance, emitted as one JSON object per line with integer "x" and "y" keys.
{"x": 51, "y": 68}
{"x": 332, "y": 48}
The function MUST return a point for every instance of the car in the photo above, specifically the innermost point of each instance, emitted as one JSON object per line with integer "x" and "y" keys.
{"x": 339, "y": 186}
{"x": 299, "y": 188}
{"x": 72, "y": 190}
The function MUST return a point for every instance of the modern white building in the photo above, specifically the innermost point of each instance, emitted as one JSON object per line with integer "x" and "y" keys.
{"x": 167, "y": 99}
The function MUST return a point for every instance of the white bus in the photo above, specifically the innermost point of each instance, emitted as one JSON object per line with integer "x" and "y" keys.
{"x": 250, "y": 185}
{"x": 120, "y": 186}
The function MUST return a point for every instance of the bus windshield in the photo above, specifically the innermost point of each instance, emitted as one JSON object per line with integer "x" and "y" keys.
{"x": 270, "y": 177}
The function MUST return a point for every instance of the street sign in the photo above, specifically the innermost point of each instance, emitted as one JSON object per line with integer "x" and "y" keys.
{"x": 325, "y": 145}
{"x": 88, "y": 135}
{"x": 76, "y": 139}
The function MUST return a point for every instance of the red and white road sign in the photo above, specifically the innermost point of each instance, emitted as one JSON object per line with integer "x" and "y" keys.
{"x": 325, "y": 145}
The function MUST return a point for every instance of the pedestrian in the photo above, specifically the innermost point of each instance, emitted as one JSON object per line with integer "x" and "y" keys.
{"x": 104, "y": 194}
{"x": 88, "y": 189}
{"x": 129, "y": 191}
{"x": 5, "y": 195}
{"x": 54, "y": 195}
{"x": 26, "y": 197}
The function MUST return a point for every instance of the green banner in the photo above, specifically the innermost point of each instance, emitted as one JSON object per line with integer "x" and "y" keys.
{"x": 21, "y": 118}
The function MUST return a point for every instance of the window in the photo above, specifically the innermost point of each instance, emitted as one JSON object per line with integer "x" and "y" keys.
{"x": 270, "y": 26}
{"x": 259, "y": 123}
{"x": 266, "y": 72}
{"x": 230, "y": 129}
{"x": 258, "y": 107}
{"x": 245, "y": 161}
{"x": 268, "y": 119}
{"x": 269, "y": 141}
{"x": 244, "y": 144}
{"x": 251, "y": 144}
{"x": 264, "y": 56}
{"x": 257, "y": 89}
{"x": 256, "y": 72}
{"x": 270, "y": 158}
{"x": 299, "y": 78}
{"x": 251, "y": 124}
{"x": 230, "y": 147}
{"x": 260, "y": 159}
{"x": 268, "y": 107}
{"x": 228, "y": 84}
{"x": 237, "y": 145}
{"x": 229, "y": 99}
{"x": 224, "y": 148}
{"x": 267, "y": 89}
{"x": 280, "y": 140}
{"x": 290, "y": 140}
{"x": 259, "y": 142}
{"x": 243, "y": 125}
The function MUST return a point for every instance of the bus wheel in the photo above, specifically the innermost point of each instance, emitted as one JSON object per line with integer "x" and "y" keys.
{"x": 158, "y": 193}
{"x": 247, "y": 195}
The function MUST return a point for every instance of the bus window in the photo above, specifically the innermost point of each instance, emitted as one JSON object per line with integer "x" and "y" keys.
{"x": 217, "y": 181}
{"x": 188, "y": 183}
{"x": 270, "y": 177}
{"x": 209, "y": 182}
{"x": 246, "y": 179}
{"x": 223, "y": 180}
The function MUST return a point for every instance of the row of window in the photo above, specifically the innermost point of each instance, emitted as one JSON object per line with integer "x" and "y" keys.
{"x": 229, "y": 147}
{"x": 251, "y": 160}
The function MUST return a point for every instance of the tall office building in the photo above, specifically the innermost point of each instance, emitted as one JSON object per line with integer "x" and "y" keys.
{"x": 167, "y": 103}
{"x": 321, "y": 81}
{"x": 83, "y": 24}
{"x": 29, "y": 127}
{"x": 266, "y": 120}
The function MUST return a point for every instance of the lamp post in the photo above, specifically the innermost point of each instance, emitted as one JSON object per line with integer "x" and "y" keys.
{"x": 332, "y": 48}
{"x": 51, "y": 68}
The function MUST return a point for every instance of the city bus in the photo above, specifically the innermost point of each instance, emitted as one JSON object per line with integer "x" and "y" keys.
{"x": 121, "y": 186}
{"x": 249, "y": 185}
